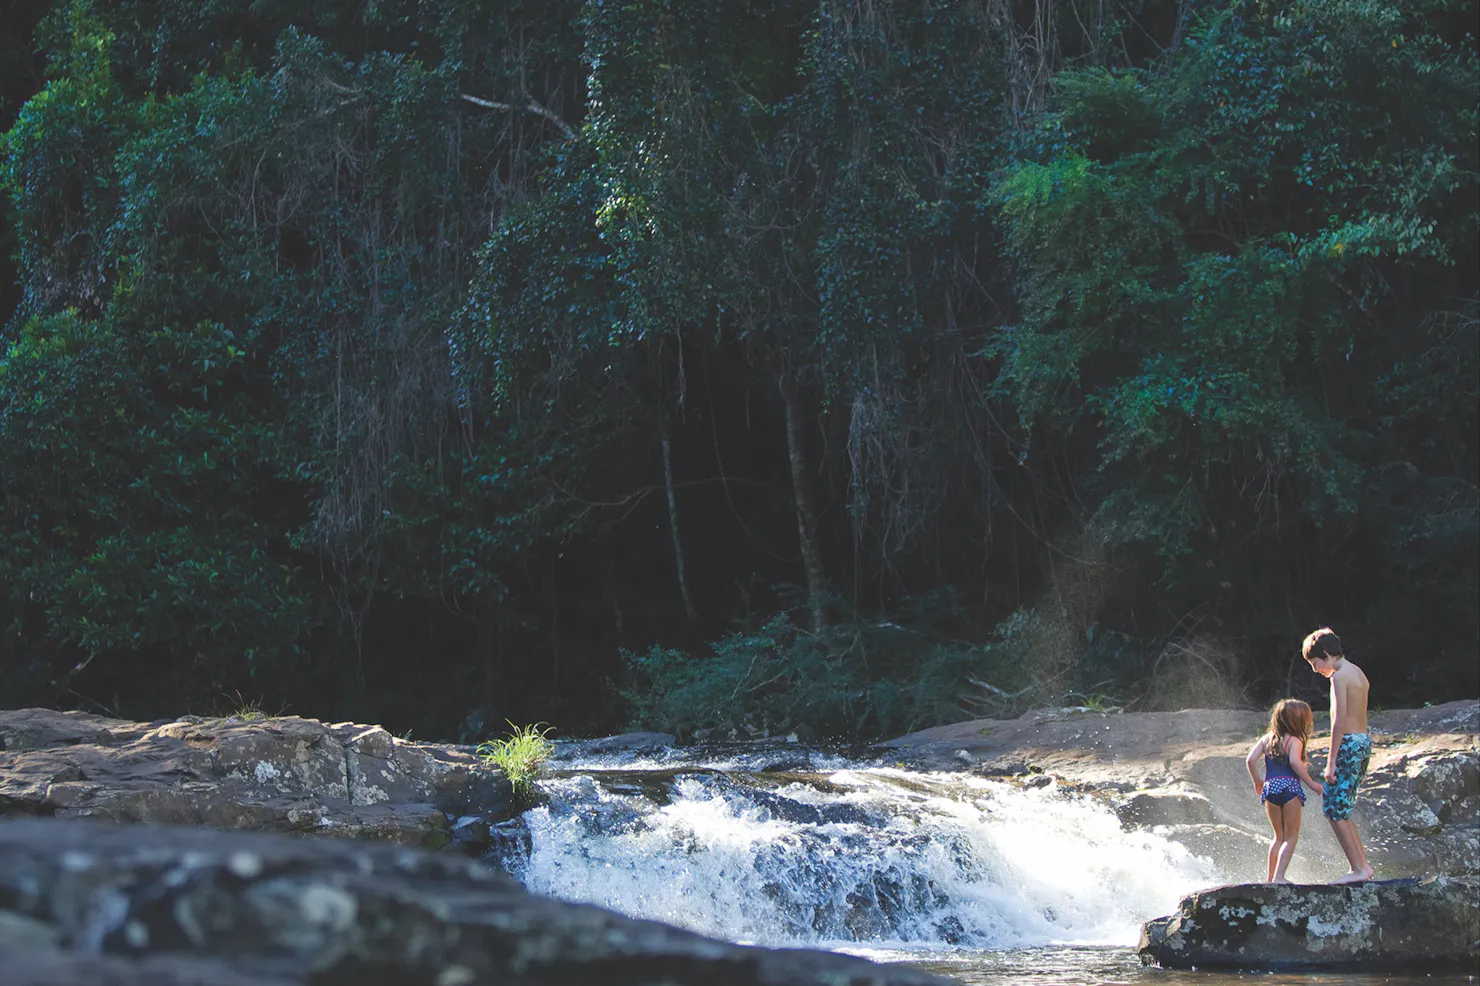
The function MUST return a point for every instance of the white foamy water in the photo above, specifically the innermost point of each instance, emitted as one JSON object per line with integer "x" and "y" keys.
{"x": 859, "y": 858}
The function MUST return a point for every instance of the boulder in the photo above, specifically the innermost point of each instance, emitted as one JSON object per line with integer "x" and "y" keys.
{"x": 1449, "y": 786}
{"x": 279, "y": 774}
{"x": 92, "y": 903}
{"x": 1401, "y": 925}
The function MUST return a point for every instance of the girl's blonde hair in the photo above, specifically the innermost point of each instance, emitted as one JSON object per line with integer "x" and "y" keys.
{"x": 1289, "y": 717}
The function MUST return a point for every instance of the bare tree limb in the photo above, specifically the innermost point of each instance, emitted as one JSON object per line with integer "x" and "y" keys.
{"x": 997, "y": 691}
{"x": 530, "y": 106}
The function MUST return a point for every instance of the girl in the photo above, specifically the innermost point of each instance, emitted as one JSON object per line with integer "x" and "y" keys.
{"x": 1283, "y": 748}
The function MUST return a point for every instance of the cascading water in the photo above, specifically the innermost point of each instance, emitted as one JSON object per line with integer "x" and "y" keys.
{"x": 823, "y": 851}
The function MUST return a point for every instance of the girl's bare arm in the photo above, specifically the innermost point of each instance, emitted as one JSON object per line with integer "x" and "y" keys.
{"x": 1296, "y": 751}
{"x": 1256, "y": 753}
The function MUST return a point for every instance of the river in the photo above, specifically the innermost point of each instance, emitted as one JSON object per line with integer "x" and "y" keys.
{"x": 990, "y": 882}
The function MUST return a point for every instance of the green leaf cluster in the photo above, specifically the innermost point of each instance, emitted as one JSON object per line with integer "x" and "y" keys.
{"x": 1228, "y": 262}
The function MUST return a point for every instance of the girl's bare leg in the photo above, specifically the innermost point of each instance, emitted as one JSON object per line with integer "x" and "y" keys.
{"x": 1290, "y": 815}
{"x": 1276, "y": 816}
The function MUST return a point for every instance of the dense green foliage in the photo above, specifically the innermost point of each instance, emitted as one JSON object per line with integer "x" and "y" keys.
{"x": 735, "y": 364}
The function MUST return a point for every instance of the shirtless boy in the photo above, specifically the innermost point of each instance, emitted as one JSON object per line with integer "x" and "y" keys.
{"x": 1351, "y": 747}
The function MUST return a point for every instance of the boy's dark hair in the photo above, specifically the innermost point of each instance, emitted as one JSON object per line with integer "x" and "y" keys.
{"x": 1321, "y": 643}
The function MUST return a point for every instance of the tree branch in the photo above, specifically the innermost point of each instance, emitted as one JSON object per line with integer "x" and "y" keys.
{"x": 529, "y": 107}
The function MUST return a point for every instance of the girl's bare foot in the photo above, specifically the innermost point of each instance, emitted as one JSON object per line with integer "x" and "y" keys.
{"x": 1279, "y": 879}
{"x": 1355, "y": 876}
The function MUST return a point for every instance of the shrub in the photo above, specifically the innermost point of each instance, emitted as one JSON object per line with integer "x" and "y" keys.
{"x": 849, "y": 681}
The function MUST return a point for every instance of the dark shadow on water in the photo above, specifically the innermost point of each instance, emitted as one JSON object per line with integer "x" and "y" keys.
{"x": 1109, "y": 966}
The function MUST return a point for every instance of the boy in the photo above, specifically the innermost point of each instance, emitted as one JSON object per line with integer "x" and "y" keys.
{"x": 1351, "y": 747}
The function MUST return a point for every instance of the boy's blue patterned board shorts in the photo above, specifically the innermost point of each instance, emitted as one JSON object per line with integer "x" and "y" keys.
{"x": 1351, "y": 766}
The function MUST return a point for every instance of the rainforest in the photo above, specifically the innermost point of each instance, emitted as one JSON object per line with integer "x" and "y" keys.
{"x": 734, "y": 367}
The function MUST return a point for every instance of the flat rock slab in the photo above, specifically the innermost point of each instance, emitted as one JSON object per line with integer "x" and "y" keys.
{"x": 83, "y": 902}
{"x": 1397, "y": 925}
{"x": 283, "y": 773}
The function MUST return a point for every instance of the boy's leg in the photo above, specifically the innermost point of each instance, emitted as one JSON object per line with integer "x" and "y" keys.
{"x": 1340, "y": 798}
{"x": 1351, "y": 844}
{"x": 1277, "y": 824}
{"x": 1291, "y": 813}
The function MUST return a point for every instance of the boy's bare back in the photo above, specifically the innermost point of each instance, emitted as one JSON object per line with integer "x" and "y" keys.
{"x": 1349, "y": 688}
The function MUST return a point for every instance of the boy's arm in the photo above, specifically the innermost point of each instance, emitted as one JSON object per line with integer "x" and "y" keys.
{"x": 1297, "y": 763}
{"x": 1338, "y": 727}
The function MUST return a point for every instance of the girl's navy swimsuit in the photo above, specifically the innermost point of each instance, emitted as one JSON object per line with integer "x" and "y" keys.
{"x": 1281, "y": 786}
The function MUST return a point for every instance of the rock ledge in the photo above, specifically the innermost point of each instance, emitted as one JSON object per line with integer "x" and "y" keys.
{"x": 1402, "y": 925}
{"x": 128, "y": 905}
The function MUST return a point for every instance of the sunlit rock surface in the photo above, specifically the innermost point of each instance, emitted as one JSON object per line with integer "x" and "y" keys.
{"x": 1182, "y": 775}
{"x": 279, "y": 774}
{"x": 82, "y": 902}
{"x": 1399, "y": 925}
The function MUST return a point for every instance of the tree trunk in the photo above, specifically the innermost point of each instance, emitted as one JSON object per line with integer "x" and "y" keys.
{"x": 683, "y": 582}
{"x": 806, "y": 516}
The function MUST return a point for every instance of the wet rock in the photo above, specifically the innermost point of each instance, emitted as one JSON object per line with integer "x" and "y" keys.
{"x": 786, "y": 809}
{"x": 1238, "y": 854}
{"x": 1145, "y": 809}
{"x": 785, "y": 765}
{"x": 129, "y": 905}
{"x": 1406, "y": 925}
{"x": 281, "y": 774}
{"x": 951, "y": 931}
{"x": 509, "y": 845}
{"x": 472, "y": 832}
{"x": 632, "y": 742}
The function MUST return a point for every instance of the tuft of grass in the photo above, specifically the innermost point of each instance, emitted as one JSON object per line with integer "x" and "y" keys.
{"x": 520, "y": 756}
{"x": 247, "y": 710}
{"x": 1096, "y": 703}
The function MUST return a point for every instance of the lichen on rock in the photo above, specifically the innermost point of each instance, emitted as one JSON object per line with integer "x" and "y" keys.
{"x": 1409, "y": 925}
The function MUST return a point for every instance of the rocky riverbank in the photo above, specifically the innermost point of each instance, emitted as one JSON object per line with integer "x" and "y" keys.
{"x": 282, "y": 774}
{"x": 1183, "y": 773}
{"x": 151, "y": 904}
{"x": 1180, "y": 772}
{"x": 84, "y": 903}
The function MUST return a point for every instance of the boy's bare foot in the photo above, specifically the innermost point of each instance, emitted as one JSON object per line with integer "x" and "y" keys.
{"x": 1355, "y": 876}
{"x": 1279, "y": 879}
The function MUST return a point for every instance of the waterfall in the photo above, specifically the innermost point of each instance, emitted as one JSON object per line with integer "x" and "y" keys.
{"x": 831, "y": 852}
